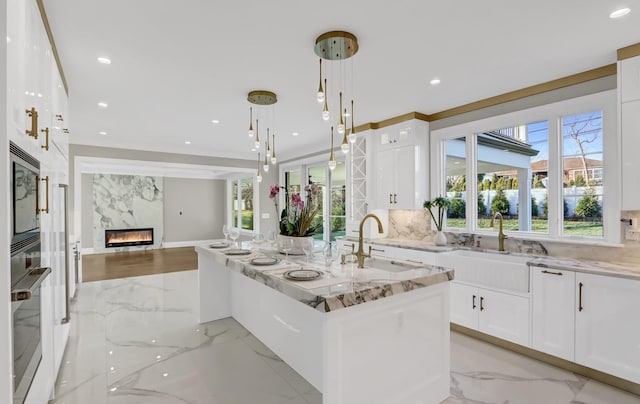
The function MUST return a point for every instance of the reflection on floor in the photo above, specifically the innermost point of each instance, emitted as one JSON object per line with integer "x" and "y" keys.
{"x": 137, "y": 341}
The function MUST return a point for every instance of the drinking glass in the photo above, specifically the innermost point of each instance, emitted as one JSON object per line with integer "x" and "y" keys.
{"x": 258, "y": 239}
{"x": 272, "y": 237}
{"x": 225, "y": 231}
{"x": 330, "y": 253}
{"x": 307, "y": 247}
{"x": 287, "y": 245}
{"x": 234, "y": 233}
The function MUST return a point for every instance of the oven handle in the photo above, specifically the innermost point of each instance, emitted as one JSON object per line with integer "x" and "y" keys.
{"x": 25, "y": 292}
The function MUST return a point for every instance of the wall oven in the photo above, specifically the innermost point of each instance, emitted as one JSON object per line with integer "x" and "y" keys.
{"x": 27, "y": 274}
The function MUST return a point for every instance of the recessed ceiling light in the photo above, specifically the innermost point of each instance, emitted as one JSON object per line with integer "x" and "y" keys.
{"x": 215, "y": 121}
{"x": 295, "y": 134}
{"x": 434, "y": 82}
{"x": 8, "y": 39}
{"x": 102, "y": 133}
{"x": 165, "y": 374}
{"x": 103, "y": 104}
{"x": 103, "y": 60}
{"x": 621, "y": 12}
{"x": 187, "y": 142}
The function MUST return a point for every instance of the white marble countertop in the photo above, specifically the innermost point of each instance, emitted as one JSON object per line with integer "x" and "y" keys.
{"x": 341, "y": 286}
{"x": 595, "y": 267}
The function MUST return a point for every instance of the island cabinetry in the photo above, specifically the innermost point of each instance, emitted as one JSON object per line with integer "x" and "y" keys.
{"x": 500, "y": 314}
{"x": 607, "y": 327}
{"x": 552, "y": 311}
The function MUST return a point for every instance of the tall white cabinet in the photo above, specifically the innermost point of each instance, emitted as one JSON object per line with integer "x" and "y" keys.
{"x": 629, "y": 94}
{"x": 34, "y": 82}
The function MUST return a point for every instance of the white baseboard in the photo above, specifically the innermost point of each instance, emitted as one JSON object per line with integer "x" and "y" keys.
{"x": 171, "y": 244}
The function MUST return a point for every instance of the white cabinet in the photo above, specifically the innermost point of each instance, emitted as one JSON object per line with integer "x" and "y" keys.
{"x": 630, "y": 79}
{"x": 630, "y": 139}
{"x": 553, "y": 312}
{"x": 492, "y": 312}
{"x": 395, "y": 170}
{"x": 608, "y": 325}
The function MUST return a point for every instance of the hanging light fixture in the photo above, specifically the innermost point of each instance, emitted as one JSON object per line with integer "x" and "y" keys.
{"x": 336, "y": 46}
{"x": 320, "y": 94}
{"x": 352, "y": 134}
{"x": 259, "y": 175}
{"x": 345, "y": 143}
{"x": 262, "y": 99}
{"x": 332, "y": 159}
{"x": 265, "y": 167}
{"x": 273, "y": 151}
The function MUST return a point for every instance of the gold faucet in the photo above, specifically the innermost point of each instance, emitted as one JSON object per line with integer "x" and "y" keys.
{"x": 360, "y": 254}
{"x": 501, "y": 235}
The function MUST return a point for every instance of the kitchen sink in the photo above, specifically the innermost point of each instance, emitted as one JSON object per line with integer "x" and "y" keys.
{"x": 492, "y": 269}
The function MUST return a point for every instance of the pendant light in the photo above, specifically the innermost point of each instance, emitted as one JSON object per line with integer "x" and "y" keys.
{"x": 345, "y": 142}
{"x": 332, "y": 160}
{"x": 320, "y": 94}
{"x": 352, "y": 135}
{"x": 250, "y": 121}
{"x": 264, "y": 101}
{"x": 265, "y": 167}
{"x": 259, "y": 175}
{"x": 325, "y": 111}
{"x": 341, "y": 124}
{"x": 273, "y": 151}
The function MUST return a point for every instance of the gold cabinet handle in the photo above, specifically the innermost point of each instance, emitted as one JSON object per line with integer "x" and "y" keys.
{"x": 65, "y": 130}
{"x": 33, "y": 114}
{"x": 580, "y": 308}
{"x": 376, "y": 249}
{"x": 46, "y": 144}
{"x": 46, "y": 206}
{"x": 59, "y": 117}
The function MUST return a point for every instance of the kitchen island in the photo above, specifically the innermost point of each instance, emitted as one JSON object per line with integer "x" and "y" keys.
{"x": 357, "y": 335}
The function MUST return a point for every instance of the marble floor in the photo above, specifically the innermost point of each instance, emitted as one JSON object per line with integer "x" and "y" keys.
{"x": 137, "y": 341}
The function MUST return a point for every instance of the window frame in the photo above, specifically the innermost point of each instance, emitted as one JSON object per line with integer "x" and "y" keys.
{"x": 229, "y": 205}
{"x": 553, "y": 113}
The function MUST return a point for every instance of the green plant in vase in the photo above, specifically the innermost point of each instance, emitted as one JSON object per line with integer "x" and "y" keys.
{"x": 442, "y": 204}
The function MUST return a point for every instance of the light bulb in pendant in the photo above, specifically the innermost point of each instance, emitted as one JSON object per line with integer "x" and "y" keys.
{"x": 259, "y": 175}
{"x": 265, "y": 167}
{"x": 345, "y": 148}
{"x": 320, "y": 93}
{"x": 352, "y": 135}
{"x": 325, "y": 111}
{"x": 332, "y": 164}
{"x": 341, "y": 129}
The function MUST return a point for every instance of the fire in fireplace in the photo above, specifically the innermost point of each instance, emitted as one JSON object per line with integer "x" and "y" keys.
{"x": 128, "y": 237}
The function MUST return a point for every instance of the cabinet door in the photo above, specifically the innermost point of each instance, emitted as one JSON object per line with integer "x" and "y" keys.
{"x": 553, "y": 319}
{"x": 404, "y": 190}
{"x": 504, "y": 316}
{"x": 630, "y": 79}
{"x": 630, "y": 138}
{"x": 465, "y": 302}
{"x": 385, "y": 174}
{"x": 608, "y": 325}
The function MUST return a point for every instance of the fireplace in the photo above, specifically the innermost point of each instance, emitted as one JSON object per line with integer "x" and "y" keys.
{"x": 128, "y": 237}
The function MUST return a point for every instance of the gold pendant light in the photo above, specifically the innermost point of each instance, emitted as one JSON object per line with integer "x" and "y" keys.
{"x": 250, "y": 121}
{"x": 345, "y": 142}
{"x": 256, "y": 144}
{"x": 261, "y": 98}
{"x": 259, "y": 175}
{"x": 273, "y": 151}
{"x": 320, "y": 94}
{"x": 341, "y": 124}
{"x": 352, "y": 135}
{"x": 332, "y": 158}
{"x": 265, "y": 167}
{"x": 325, "y": 111}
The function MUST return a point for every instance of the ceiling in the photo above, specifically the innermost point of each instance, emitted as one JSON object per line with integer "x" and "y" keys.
{"x": 177, "y": 65}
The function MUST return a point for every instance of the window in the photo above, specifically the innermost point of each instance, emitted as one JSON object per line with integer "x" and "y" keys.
{"x": 331, "y": 220}
{"x": 543, "y": 169}
{"x": 241, "y": 197}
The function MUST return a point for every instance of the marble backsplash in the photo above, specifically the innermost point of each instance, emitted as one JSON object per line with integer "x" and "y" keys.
{"x": 415, "y": 225}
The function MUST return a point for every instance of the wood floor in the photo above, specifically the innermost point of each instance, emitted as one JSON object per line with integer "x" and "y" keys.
{"x": 98, "y": 267}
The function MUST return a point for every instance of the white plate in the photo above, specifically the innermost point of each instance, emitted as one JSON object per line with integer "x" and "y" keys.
{"x": 302, "y": 275}
{"x": 219, "y": 244}
{"x": 237, "y": 251}
{"x": 264, "y": 261}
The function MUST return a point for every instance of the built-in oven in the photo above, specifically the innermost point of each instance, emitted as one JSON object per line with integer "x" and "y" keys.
{"x": 27, "y": 273}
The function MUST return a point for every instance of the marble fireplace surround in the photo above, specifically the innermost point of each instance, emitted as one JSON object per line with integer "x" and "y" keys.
{"x": 415, "y": 225}
{"x": 127, "y": 202}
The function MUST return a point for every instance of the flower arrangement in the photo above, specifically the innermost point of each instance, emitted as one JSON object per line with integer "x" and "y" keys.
{"x": 442, "y": 204}
{"x": 297, "y": 218}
